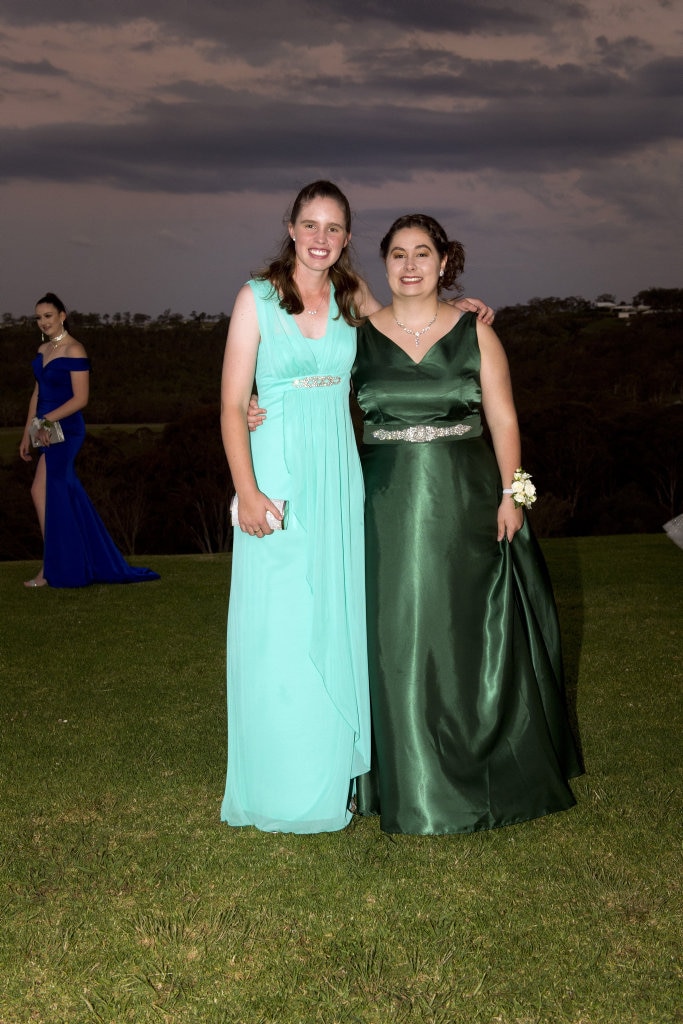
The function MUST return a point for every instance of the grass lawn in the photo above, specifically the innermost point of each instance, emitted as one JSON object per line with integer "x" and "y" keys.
{"x": 124, "y": 899}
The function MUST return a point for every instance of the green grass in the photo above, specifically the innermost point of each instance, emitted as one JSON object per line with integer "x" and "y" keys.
{"x": 123, "y": 898}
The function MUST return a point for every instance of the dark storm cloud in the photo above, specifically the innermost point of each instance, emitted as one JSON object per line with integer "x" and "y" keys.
{"x": 424, "y": 72}
{"x": 244, "y": 26}
{"x": 46, "y": 12}
{"x": 663, "y": 78}
{"x": 233, "y": 28}
{"x": 622, "y": 53}
{"x": 437, "y": 15}
{"x": 27, "y": 67}
{"x": 222, "y": 141}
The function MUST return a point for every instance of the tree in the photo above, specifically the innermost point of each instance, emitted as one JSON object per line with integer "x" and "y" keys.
{"x": 660, "y": 298}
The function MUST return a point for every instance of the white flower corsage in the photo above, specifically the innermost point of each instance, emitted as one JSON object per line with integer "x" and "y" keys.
{"x": 522, "y": 490}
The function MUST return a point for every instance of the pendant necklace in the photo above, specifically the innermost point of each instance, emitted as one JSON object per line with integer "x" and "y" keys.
{"x": 416, "y": 334}
{"x": 321, "y": 300}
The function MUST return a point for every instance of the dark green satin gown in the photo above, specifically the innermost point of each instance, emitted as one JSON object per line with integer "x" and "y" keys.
{"x": 468, "y": 705}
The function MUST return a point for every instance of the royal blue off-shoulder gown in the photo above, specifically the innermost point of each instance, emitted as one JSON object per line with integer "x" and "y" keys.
{"x": 78, "y": 548}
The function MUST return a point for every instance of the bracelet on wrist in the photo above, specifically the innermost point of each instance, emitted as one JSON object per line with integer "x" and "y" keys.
{"x": 522, "y": 490}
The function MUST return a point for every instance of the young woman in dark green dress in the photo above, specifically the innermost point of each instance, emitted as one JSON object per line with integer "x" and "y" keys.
{"x": 468, "y": 706}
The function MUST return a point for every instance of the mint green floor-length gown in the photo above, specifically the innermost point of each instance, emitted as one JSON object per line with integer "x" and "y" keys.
{"x": 468, "y": 705}
{"x": 298, "y": 705}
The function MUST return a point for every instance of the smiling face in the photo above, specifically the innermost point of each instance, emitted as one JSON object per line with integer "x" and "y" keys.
{"x": 49, "y": 319}
{"x": 413, "y": 263}
{"x": 320, "y": 234}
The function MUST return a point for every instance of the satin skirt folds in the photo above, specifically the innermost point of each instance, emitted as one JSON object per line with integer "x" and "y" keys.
{"x": 78, "y": 549}
{"x": 468, "y": 706}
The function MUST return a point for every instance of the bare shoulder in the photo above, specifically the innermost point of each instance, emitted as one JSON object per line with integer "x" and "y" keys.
{"x": 75, "y": 350}
{"x": 489, "y": 341}
{"x": 382, "y": 319}
{"x": 494, "y": 361}
{"x": 244, "y": 309}
{"x": 449, "y": 315}
{"x": 243, "y": 332}
{"x": 246, "y": 293}
{"x": 245, "y": 303}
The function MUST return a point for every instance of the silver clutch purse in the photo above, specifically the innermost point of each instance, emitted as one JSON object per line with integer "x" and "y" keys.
{"x": 55, "y": 432}
{"x": 273, "y": 523}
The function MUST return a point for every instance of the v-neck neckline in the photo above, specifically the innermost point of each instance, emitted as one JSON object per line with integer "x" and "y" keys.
{"x": 327, "y": 322}
{"x": 436, "y": 344}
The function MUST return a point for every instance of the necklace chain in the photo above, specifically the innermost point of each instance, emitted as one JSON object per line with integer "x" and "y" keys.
{"x": 57, "y": 340}
{"x": 417, "y": 334}
{"x": 321, "y": 301}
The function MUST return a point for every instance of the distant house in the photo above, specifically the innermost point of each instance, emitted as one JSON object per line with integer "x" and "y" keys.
{"x": 621, "y": 309}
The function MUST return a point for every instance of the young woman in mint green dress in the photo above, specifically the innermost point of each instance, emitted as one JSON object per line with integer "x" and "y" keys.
{"x": 298, "y": 707}
{"x": 298, "y": 710}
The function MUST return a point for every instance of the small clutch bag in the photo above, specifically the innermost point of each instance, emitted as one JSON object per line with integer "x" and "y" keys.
{"x": 273, "y": 523}
{"x": 54, "y": 431}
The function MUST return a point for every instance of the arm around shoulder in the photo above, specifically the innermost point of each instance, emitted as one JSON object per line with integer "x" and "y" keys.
{"x": 485, "y": 314}
{"x": 366, "y": 303}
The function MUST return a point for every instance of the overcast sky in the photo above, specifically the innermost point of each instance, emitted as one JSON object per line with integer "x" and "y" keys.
{"x": 149, "y": 149}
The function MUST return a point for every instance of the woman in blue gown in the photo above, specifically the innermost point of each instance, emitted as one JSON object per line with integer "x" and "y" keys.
{"x": 77, "y": 547}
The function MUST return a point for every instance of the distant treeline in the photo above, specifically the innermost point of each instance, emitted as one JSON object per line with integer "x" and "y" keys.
{"x": 599, "y": 396}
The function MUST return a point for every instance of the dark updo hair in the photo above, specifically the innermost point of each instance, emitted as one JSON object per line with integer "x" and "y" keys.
{"x": 280, "y": 271}
{"x": 453, "y": 251}
{"x": 54, "y": 300}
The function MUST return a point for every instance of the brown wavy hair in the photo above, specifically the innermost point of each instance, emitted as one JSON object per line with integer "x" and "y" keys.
{"x": 452, "y": 250}
{"x": 280, "y": 271}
